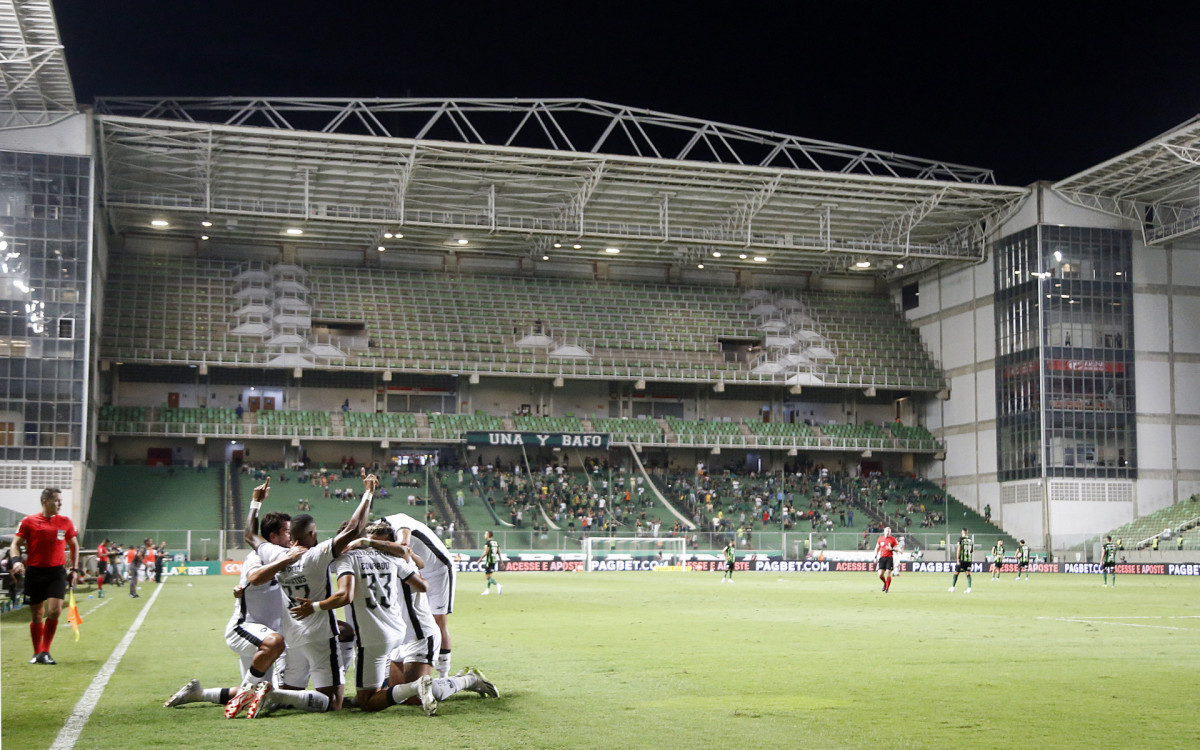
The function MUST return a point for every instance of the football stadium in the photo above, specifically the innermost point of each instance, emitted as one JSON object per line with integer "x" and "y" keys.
{"x": 623, "y": 371}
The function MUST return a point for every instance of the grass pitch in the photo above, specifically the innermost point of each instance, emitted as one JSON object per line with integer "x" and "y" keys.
{"x": 681, "y": 660}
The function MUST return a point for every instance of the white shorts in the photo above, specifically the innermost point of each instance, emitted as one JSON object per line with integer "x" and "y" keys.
{"x": 245, "y": 639}
{"x": 441, "y": 580}
{"x": 371, "y": 665}
{"x": 421, "y": 651}
{"x": 316, "y": 660}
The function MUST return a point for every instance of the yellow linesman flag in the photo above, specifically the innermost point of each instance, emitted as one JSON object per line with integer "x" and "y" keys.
{"x": 73, "y": 614}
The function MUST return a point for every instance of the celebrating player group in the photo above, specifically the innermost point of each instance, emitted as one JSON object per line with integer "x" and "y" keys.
{"x": 394, "y": 579}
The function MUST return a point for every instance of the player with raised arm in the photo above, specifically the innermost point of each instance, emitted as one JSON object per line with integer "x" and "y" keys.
{"x": 254, "y": 629}
{"x": 312, "y": 639}
{"x": 438, "y": 572}
{"x": 1108, "y": 561}
{"x": 46, "y": 537}
{"x": 884, "y": 562}
{"x": 730, "y": 561}
{"x": 411, "y": 663}
{"x": 963, "y": 553}
{"x": 997, "y": 558}
{"x": 491, "y": 559}
{"x": 1022, "y": 560}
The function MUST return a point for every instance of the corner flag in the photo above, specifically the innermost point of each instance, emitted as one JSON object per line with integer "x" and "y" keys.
{"x": 73, "y": 614}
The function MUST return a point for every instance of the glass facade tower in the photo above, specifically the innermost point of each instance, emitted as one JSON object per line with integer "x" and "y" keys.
{"x": 1064, "y": 345}
{"x": 45, "y": 221}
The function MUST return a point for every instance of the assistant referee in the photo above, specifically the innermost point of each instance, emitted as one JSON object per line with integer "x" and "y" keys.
{"x": 45, "y": 536}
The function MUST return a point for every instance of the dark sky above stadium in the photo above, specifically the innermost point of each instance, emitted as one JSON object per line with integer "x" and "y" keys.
{"x": 1032, "y": 92}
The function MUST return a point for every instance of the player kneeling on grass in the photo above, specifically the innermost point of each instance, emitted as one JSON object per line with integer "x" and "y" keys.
{"x": 438, "y": 572}
{"x": 396, "y": 630}
{"x": 254, "y": 629}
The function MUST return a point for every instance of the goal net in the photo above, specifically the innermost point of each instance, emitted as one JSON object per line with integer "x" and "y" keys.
{"x": 633, "y": 553}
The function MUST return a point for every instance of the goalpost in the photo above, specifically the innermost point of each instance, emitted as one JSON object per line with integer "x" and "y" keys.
{"x": 641, "y": 552}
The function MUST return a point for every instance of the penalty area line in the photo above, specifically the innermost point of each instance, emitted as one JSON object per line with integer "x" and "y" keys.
{"x": 69, "y": 734}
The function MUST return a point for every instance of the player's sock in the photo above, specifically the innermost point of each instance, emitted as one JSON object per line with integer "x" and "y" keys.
{"x": 968, "y": 580}
{"x": 444, "y": 687}
{"x": 305, "y": 700}
{"x": 257, "y": 675}
{"x": 1104, "y": 572}
{"x": 220, "y": 696}
{"x": 35, "y": 634}
{"x": 443, "y": 662}
{"x": 887, "y": 583}
{"x": 401, "y": 693}
{"x": 50, "y": 626}
{"x": 346, "y": 653}
{"x": 1114, "y": 584}
{"x": 954, "y": 582}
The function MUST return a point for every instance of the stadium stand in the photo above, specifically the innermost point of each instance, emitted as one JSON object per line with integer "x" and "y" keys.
{"x": 181, "y": 310}
{"x": 1182, "y": 518}
{"x": 154, "y": 501}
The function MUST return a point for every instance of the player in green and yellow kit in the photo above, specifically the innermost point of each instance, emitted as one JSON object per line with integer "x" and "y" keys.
{"x": 962, "y": 554}
{"x": 491, "y": 559}
{"x": 730, "y": 556}
{"x": 1108, "y": 561}
{"x": 1022, "y": 560}
{"x": 997, "y": 558}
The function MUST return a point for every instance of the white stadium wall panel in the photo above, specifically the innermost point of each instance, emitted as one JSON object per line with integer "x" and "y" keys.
{"x": 960, "y": 408}
{"x": 985, "y": 333}
{"x": 960, "y": 456}
{"x": 1149, "y": 316}
{"x": 1187, "y": 448}
{"x": 1186, "y": 326}
{"x": 1185, "y": 267}
{"x": 1187, "y": 391}
{"x": 1149, "y": 264}
{"x": 985, "y": 389}
{"x": 1155, "y": 494}
{"x": 956, "y": 289}
{"x": 1153, "y": 397}
{"x": 987, "y": 452}
{"x": 1154, "y": 446}
{"x": 958, "y": 337}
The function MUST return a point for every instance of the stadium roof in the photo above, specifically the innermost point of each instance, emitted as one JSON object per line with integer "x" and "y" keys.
{"x": 1156, "y": 184}
{"x": 35, "y": 88}
{"x": 518, "y": 177}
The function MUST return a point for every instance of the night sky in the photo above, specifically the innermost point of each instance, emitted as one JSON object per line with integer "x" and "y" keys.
{"x": 1030, "y": 93}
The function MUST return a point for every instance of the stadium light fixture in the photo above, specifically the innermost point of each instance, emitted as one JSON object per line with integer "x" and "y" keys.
{"x": 863, "y": 264}
{"x": 387, "y": 235}
{"x": 545, "y": 257}
{"x": 699, "y": 265}
{"x": 160, "y": 223}
{"x": 463, "y": 240}
{"x": 557, "y": 245}
{"x": 716, "y": 253}
{"x": 294, "y": 231}
{"x": 760, "y": 259}
{"x": 1058, "y": 256}
{"x": 206, "y": 223}
{"x": 899, "y": 265}
{"x": 381, "y": 248}
{"x": 612, "y": 250}
{"x": 398, "y": 235}
{"x": 204, "y": 236}
{"x": 577, "y": 247}
{"x": 742, "y": 256}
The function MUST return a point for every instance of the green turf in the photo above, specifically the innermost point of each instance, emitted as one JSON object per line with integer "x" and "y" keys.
{"x": 680, "y": 660}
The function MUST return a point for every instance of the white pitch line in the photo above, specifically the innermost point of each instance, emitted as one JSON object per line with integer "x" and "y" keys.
{"x": 1138, "y": 617}
{"x": 69, "y": 734}
{"x": 1108, "y": 622}
{"x": 98, "y": 606}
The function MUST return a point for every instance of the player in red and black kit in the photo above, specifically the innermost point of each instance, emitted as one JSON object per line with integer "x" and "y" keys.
{"x": 884, "y": 548}
{"x": 44, "y": 536}
{"x": 101, "y": 566}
